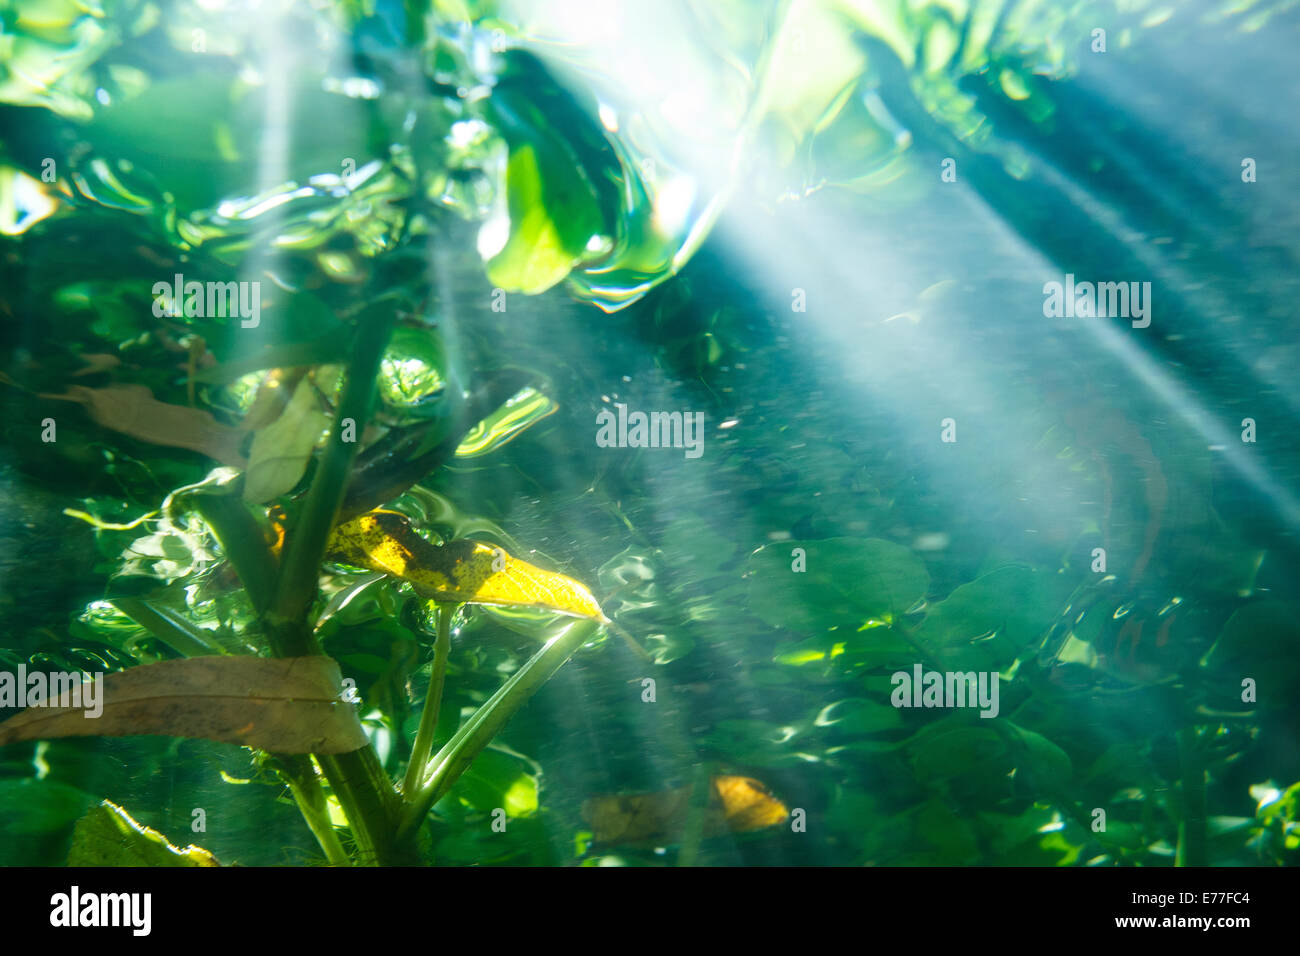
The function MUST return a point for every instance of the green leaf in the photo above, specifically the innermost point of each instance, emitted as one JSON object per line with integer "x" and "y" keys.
{"x": 666, "y": 648}
{"x": 1022, "y": 840}
{"x": 848, "y": 582}
{"x": 522, "y": 410}
{"x": 282, "y": 449}
{"x": 107, "y": 836}
{"x": 497, "y": 780}
{"x": 32, "y": 807}
{"x": 1047, "y": 764}
{"x": 1016, "y": 602}
{"x": 200, "y": 134}
{"x": 758, "y": 744}
{"x": 858, "y": 715}
{"x": 413, "y": 372}
{"x": 988, "y": 756}
{"x": 945, "y": 751}
{"x": 946, "y": 830}
{"x": 553, "y": 214}
{"x": 1260, "y": 641}
{"x": 815, "y": 650}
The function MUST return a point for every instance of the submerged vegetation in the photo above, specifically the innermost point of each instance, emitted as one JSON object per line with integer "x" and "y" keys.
{"x": 304, "y": 455}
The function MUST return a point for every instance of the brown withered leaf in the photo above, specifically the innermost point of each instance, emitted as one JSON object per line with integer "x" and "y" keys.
{"x": 132, "y": 410}
{"x": 97, "y": 362}
{"x": 736, "y": 805}
{"x": 287, "y": 705}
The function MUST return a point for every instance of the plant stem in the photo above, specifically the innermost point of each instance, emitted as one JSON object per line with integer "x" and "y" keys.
{"x": 241, "y": 539}
{"x": 632, "y": 643}
{"x": 388, "y": 468}
{"x": 417, "y": 768}
{"x": 307, "y": 792}
{"x": 304, "y": 546}
{"x": 1192, "y": 836}
{"x": 698, "y": 808}
{"x": 357, "y": 779}
{"x": 367, "y": 797}
{"x": 165, "y": 624}
{"x": 466, "y": 744}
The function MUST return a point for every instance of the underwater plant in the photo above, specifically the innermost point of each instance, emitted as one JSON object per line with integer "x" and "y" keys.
{"x": 348, "y": 497}
{"x": 321, "y": 400}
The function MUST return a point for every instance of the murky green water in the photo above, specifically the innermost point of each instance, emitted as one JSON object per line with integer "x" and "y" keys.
{"x": 985, "y": 319}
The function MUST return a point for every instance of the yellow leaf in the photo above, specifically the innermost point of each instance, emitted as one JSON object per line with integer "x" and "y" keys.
{"x": 746, "y": 804}
{"x": 736, "y": 805}
{"x": 461, "y": 571}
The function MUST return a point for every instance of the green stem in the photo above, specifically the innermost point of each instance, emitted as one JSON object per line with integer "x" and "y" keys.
{"x": 466, "y": 744}
{"x": 698, "y": 809}
{"x": 357, "y": 779}
{"x": 367, "y": 797}
{"x": 169, "y": 627}
{"x": 1192, "y": 829}
{"x": 633, "y": 644}
{"x": 307, "y": 792}
{"x": 304, "y": 546}
{"x": 417, "y": 768}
